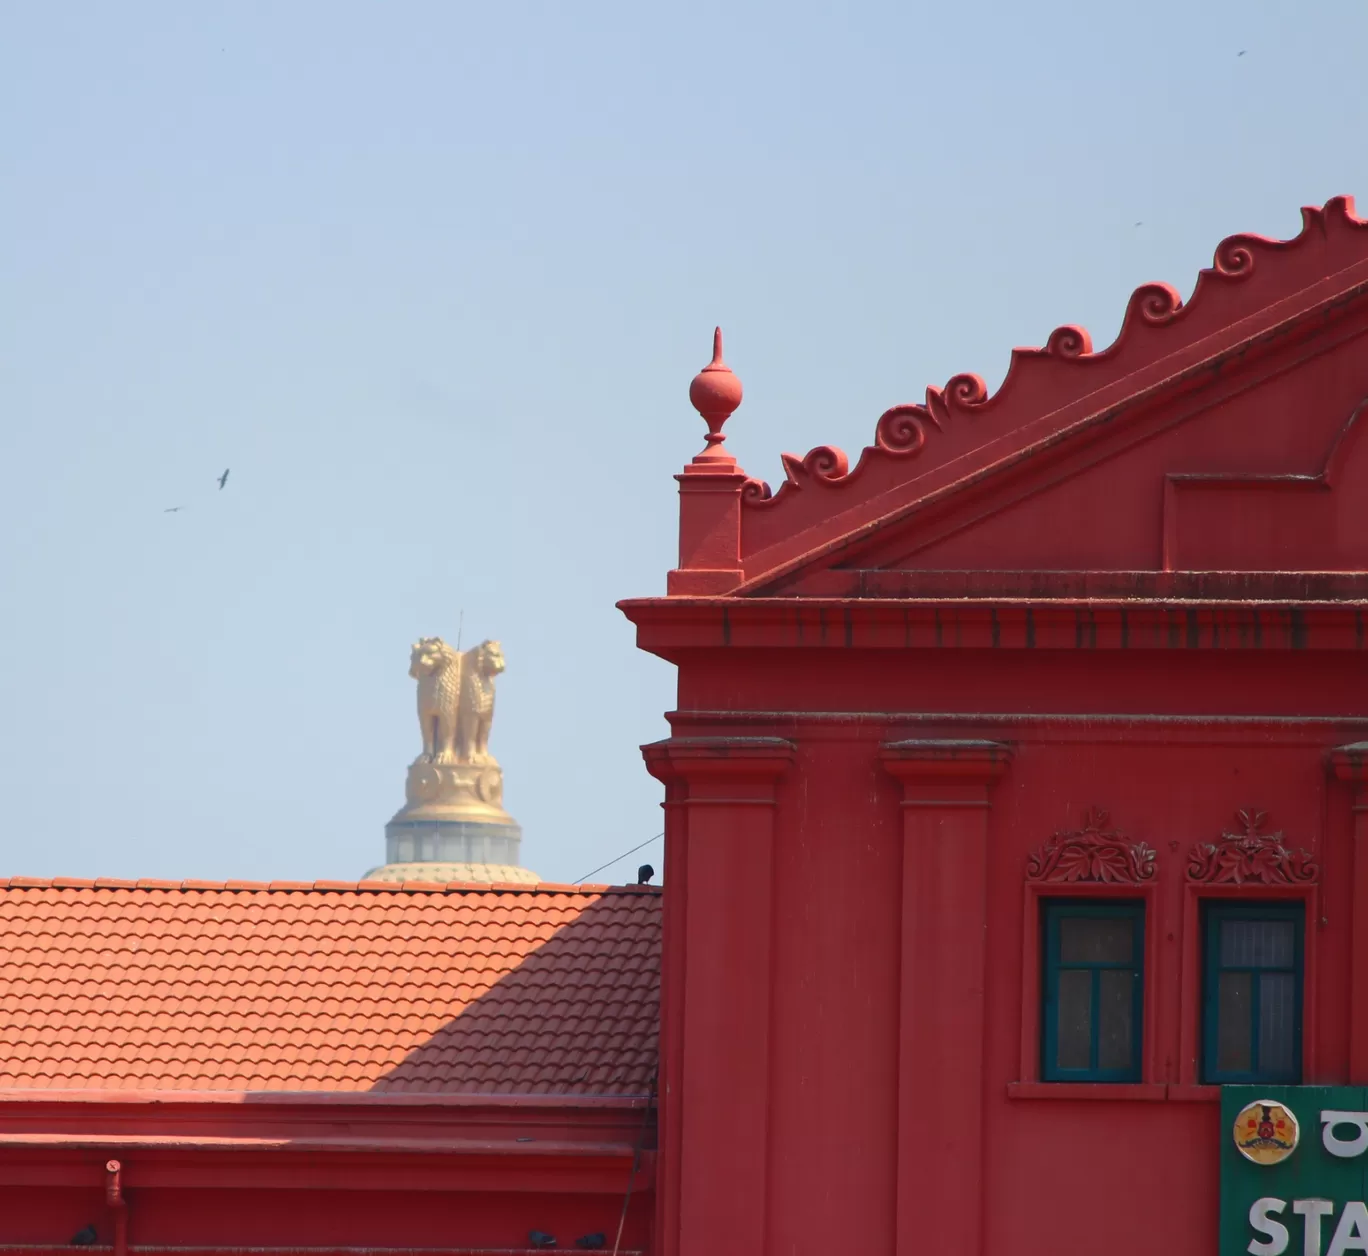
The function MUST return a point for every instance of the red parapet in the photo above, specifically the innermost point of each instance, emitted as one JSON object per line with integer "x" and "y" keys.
{"x": 1254, "y": 285}
{"x": 902, "y": 430}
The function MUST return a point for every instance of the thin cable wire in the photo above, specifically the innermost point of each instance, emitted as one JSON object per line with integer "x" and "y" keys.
{"x": 621, "y": 857}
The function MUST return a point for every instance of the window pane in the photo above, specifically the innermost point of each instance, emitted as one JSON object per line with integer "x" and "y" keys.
{"x": 1115, "y": 1011}
{"x": 1234, "y": 1022}
{"x": 1277, "y": 1022}
{"x": 1257, "y": 943}
{"x": 1096, "y": 940}
{"x": 1075, "y": 1020}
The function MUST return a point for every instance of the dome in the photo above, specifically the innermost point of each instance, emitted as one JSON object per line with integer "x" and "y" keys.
{"x": 470, "y": 873}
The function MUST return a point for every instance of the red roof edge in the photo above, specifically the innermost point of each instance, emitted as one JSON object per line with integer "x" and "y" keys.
{"x": 313, "y": 887}
{"x": 324, "y": 1099}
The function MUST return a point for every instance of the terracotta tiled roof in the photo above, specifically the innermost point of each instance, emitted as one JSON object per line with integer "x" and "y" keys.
{"x": 202, "y": 985}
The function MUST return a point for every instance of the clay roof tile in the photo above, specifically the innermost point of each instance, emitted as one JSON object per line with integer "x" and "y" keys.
{"x": 242, "y": 985}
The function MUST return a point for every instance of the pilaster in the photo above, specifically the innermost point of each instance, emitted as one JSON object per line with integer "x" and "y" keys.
{"x": 946, "y": 786}
{"x": 716, "y": 1004}
{"x": 1350, "y": 764}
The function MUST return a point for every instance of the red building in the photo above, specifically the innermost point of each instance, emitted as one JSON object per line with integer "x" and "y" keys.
{"x": 1016, "y": 821}
{"x": 1014, "y": 796}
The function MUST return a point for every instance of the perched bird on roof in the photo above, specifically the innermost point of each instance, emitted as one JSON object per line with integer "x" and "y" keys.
{"x": 223, "y": 479}
{"x": 539, "y": 1238}
{"x": 85, "y": 1238}
{"x": 644, "y": 874}
{"x": 591, "y": 1242}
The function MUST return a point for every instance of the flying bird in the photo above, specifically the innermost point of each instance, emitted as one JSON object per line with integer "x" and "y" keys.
{"x": 644, "y": 874}
{"x": 171, "y": 510}
{"x": 1139, "y": 224}
{"x": 223, "y": 479}
{"x": 85, "y": 1238}
{"x": 1241, "y": 53}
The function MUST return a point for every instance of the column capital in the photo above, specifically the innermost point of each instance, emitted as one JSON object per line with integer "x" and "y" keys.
{"x": 1349, "y": 763}
{"x": 945, "y": 760}
{"x": 702, "y": 758}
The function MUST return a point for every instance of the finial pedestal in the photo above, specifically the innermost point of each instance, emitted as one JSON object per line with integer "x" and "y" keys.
{"x": 710, "y": 491}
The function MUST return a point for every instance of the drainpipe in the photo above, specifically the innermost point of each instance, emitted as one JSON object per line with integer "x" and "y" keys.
{"x": 118, "y": 1205}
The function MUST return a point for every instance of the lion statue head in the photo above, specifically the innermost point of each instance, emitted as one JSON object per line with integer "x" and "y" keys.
{"x": 430, "y": 655}
{"x": 489, "y": 658}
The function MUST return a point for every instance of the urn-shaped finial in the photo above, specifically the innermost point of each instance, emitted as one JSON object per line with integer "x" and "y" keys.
{"x": 715, "y": 392}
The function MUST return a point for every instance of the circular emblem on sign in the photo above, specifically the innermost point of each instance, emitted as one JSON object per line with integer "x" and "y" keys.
{"x": 1266, "y": 1132}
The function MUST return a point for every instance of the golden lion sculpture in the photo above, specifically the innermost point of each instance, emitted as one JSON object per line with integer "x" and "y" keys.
{"x": 455, "y": 699}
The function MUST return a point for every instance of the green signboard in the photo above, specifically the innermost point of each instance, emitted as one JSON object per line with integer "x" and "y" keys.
{"x": 1294, "y": 1170}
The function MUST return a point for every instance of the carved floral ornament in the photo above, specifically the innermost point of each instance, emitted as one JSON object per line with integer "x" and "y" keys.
{"x": 1092, "y": 853}
{"x": 1250, "y": 856}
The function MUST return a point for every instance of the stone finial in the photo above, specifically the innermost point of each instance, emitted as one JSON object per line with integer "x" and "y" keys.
{"x": 715, "y": 392}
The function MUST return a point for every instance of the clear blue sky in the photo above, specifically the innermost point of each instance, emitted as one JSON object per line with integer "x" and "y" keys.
{"x": 432, "y": 278}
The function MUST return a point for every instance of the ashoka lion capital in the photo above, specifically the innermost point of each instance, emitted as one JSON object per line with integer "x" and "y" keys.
{"x": 453, "y": 826}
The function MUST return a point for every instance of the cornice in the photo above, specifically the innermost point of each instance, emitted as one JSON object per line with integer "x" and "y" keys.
{"x": 682, "y": 758}
{"x": 670, "y": 626}
{"x": 1349, "y": 763}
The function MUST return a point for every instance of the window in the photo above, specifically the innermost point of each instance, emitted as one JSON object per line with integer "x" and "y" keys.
{"x": 1094, "y": 991}
{"x": 1252, "y": 993}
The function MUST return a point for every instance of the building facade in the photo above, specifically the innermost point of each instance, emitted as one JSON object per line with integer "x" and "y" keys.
{"x": 1015, "y": 796}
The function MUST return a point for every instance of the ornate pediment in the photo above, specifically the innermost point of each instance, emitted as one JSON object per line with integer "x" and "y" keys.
{"x": 1250, "y": 857}
{"x": 1094, "y": 852}
{"x": 1199, "y": 438}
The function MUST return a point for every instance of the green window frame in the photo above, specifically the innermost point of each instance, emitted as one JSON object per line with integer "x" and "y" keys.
{"x": 1252, "y": 992}
{"x": 1093, "y": 990}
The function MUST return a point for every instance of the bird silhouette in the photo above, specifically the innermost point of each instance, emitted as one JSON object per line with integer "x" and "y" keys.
{"x": 223, "y": 479}
{"x": 539, "y": 1238}
{"x": 644, "y": 874}
{"x": 1241, "y": 53}
{"x": 85, "y": 1238}
{"x": 171, "y": 510}
{"x": 591, "y": 1242}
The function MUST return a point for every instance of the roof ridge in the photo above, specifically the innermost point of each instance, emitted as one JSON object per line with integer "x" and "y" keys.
{"x": 324, "y": 886}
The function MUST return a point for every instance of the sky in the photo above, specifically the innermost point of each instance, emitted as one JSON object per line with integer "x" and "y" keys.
{"x": 432, "y": 280}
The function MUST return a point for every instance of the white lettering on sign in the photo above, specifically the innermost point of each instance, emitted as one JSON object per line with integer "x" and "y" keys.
{"x": 1312, "y": 1210}
{"x": 1274, "y": 1242}
{"x": 1344, "y": 1148}
{"x": 1351, "y": 1235}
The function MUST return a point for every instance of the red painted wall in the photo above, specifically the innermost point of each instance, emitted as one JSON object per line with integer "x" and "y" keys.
{"x": 1089, "y": 1170}
{"x": 899, "y": 679}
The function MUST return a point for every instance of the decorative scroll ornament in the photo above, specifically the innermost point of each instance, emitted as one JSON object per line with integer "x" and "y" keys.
{"x": 1250, "y": 856}
{"x": 905, "y": 430}
{"x": 1092, "y": 853}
